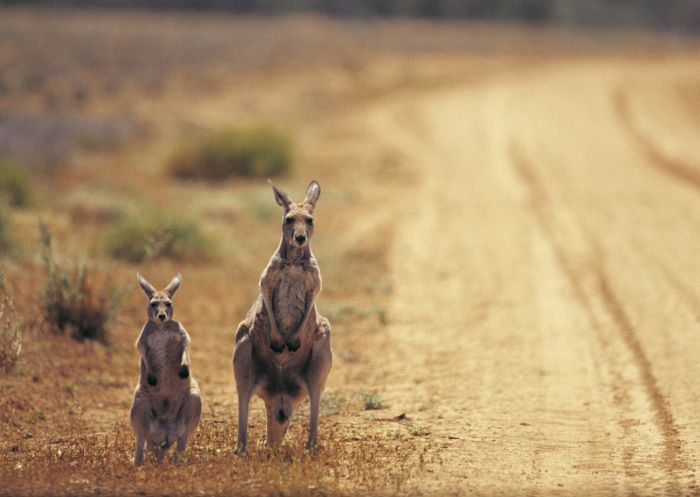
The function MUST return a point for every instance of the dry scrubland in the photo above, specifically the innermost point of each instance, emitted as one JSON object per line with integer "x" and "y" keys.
{"x": 421, "y": 399}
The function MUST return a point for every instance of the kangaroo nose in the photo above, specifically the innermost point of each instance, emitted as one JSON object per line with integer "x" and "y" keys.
{"x": 300, "y": 238}
{"x": 161, "y": 317}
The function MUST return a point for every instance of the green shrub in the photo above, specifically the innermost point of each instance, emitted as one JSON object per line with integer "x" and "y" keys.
{"x": 4, "y": 231}
{"x": 156, "y": 234}
{"x": 77, "y": 300}
{"x": 250, "y": 152}
{"x": 15, "y": 184}
{"x": 10, "y": 330}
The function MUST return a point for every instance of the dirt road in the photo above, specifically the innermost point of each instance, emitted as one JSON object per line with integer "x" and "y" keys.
{"x": 544, "y": 324}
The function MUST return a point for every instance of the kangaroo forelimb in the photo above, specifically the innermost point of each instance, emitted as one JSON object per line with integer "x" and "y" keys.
{"x": 276, "y": 340}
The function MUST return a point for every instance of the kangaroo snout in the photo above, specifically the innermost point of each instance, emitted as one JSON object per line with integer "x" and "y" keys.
{"x": 162, "y": 316}
{"x": 301, "y": 239}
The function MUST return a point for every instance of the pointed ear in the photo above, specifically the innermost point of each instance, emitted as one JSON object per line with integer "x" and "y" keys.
{"x": 312, "y": 193}
{"x": 282, "y": 198}
{"x": 147, "y": 287}
{"x": 173, "y": 285}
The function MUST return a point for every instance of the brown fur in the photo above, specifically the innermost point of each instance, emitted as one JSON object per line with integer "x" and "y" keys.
{"x": 283, "y": 348}
{"x": 167, "y": 405}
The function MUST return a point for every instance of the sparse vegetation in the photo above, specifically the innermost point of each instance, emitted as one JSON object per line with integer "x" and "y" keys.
{"x": 210, "y": 467}
{"x": 331, "y": 404}
{"x": 15, "y": 184}
{"x": 10, "y": 329}
{"x": 76, "y": 300}
{"x": 372, "y": 401}
{"x": 157, "y": 234}
{"x": 4, "y": 231}
{"x": 415, "y": 430}
{"x": 259, "y": 151}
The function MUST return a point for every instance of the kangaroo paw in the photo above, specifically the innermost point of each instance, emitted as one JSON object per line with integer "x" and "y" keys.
{"x": 184, "y": 371}
{"x": 152, "y": 380}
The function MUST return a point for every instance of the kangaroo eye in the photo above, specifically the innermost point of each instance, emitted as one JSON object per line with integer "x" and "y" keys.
{"x": 310, "y": 222}
{"x": 168, "y": 304}
{"x": 154, "y": 305}
{"x": 289, "y": 220}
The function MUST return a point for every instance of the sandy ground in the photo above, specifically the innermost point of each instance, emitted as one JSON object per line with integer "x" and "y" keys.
{"x": 545, "y": 318}
{"x": 515, "y": 282}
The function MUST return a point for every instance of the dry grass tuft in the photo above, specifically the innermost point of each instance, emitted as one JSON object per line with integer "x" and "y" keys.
{"x": 10, "y": 330}
{"x": 157, "y": 234}
{"x": 76, "y": 300}
{"x": 372, "y": 401}
{"x": 260, "y": 151}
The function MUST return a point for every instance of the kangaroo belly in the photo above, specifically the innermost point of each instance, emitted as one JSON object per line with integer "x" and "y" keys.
{"x": 273, "y": 379}
{"x": 290, "y": 300}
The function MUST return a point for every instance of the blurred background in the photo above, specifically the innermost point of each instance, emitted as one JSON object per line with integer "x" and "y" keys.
{"x": 522, "y": 172}
{"x": 658, "y": 14}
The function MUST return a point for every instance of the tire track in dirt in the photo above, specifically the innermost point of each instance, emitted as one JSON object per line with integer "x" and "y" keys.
{"x": 557, "y": 332}
{"x": 664, "y": 418}
{"x": 472, "y": 422}
{"x": 680, "y": 171}
{"x": 671, "y": 456}
{"x": 522, "y": 384}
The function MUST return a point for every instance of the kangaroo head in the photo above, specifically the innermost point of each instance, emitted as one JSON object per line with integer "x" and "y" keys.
{"x": 298, "y": 220}
{"x": 160, "y": 304}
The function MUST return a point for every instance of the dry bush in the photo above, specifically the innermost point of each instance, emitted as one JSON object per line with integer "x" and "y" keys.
{"x": 157, "y": 234}
{"x": 259, "y": 151}
{"x": 372, "y": 401}
{"x": 76, "y": 300}
{"x": 10, "y": 330}
{"x": 15, "y": 184}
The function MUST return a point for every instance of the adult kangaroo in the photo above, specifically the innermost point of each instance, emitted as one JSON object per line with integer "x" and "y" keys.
{"x": 283, "y": 346}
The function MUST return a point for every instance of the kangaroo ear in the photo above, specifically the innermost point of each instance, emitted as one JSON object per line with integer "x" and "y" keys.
{"x": 173, "y": 285}
{"x": 282, "y": 198}
{"x": 147, "y": 287}
{"x": 312, "y": 193}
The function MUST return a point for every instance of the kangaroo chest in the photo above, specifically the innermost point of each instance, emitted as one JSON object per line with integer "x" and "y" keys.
{"x": 289, "y": 299}
{"x": 164, "y": 350}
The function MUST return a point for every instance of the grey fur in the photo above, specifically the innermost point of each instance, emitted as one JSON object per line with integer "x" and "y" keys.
{"x": 283, "y": 347}
{"x": 167, "y": 403}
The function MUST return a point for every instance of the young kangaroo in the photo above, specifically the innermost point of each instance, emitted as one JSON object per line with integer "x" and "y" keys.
{"x": 167, "y": 404}
{"x": 283, "y": 346}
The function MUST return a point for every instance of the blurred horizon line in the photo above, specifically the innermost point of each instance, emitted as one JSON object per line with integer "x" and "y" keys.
{"x": 658, "y": 15}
